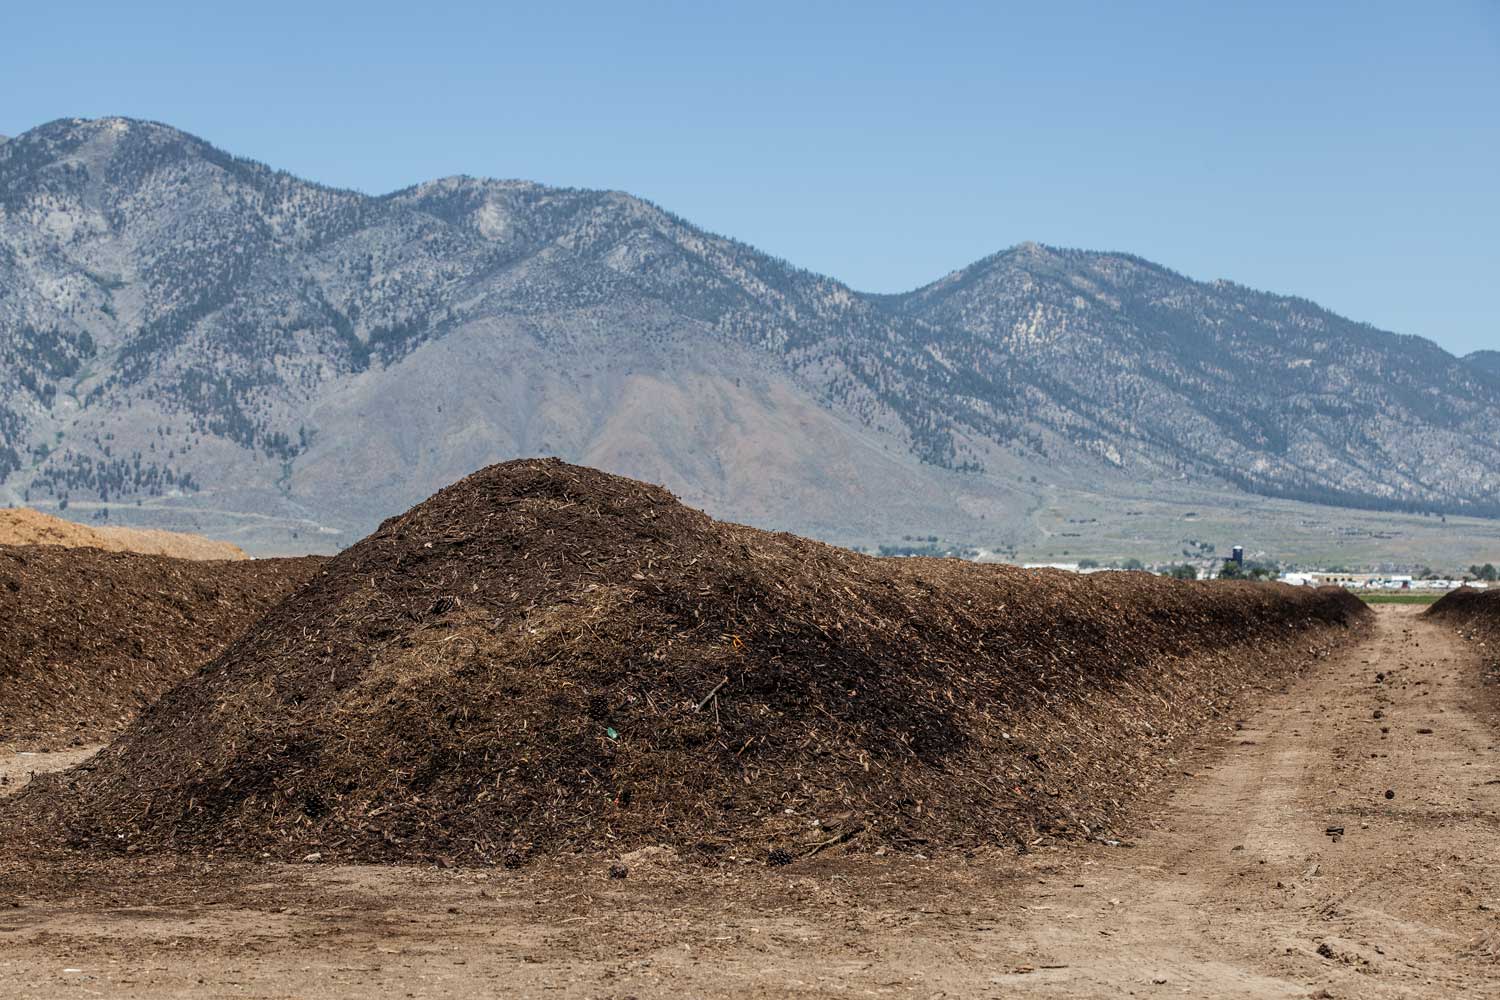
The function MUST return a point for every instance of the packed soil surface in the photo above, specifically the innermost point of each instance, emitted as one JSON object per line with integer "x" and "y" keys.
{"x": 88, "y": 638}
{"x": 1229, "y": 884}
{"x": 544, "y": 658}
{"x": 24, "y": 526}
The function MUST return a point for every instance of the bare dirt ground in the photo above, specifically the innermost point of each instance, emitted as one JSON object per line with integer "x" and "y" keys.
{"x": 17, "y": 766}
{"x": 1235, "y": 888}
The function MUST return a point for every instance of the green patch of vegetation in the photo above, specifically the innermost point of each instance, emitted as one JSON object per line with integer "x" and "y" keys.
{"x": 1396, "y": 597}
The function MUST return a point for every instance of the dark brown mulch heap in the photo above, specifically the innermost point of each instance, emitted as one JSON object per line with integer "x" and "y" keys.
{"x": 544, "y": 658}
{"x": 1476, "y": 613}
{"x": 88, "y": 638}
{"x": 1467, "y": 606}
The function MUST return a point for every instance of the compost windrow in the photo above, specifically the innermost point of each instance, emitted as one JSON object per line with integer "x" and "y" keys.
{"x": 546, "y": 658}
{"x": 88, "y": 638}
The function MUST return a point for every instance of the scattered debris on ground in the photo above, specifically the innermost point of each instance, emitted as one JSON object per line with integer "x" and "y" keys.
{"x": 90, "y": 637}
{"x": 544, "y": 658}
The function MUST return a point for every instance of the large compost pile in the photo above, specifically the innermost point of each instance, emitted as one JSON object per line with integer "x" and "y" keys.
{"x": 546, "y": 658}
{"x": 87, "y": 638}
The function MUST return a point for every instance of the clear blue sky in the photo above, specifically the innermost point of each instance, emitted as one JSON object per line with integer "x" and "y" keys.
{"x": 1348, "y": 153}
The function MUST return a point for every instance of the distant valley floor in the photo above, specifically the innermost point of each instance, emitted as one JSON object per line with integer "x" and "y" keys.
{"x": 1053, "y": 522}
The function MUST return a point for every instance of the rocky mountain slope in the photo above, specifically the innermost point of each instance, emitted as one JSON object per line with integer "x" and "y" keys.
{"x": 1127, "y": 360}
{"x": 232, "y": 348}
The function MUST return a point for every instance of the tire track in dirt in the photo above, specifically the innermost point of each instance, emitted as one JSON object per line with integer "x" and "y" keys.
{"x": 1248, "y": 887}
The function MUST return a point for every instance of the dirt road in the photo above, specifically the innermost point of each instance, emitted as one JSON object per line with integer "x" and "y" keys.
{"x": 1235, "y": 887}
{"x": 1285, "y": 843}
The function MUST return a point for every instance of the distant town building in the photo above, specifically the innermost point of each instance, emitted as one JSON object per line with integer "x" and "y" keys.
{"x": 1367, "y": 581}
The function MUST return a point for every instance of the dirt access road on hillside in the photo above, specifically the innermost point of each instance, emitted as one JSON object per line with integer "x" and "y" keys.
{"x": 1235, "y": 888}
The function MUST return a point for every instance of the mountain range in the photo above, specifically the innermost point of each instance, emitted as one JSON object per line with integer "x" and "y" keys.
{"x": 198, "y": 341}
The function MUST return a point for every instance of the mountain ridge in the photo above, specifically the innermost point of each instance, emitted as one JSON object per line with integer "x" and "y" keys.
{"x": 1488, "y": 361}
{"x": 200, "y": 331}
